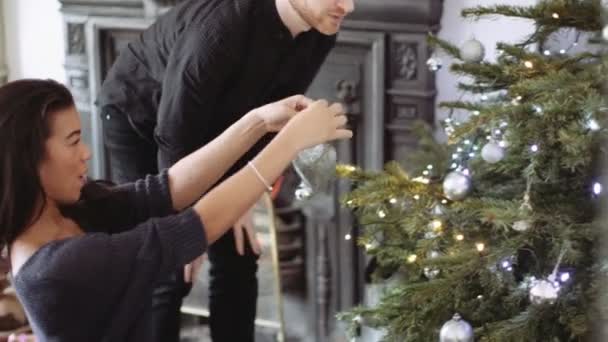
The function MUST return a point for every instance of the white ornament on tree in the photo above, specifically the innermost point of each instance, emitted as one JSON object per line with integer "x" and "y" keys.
{"x": 434, "y": 63}
{"x": 456, "y": 330}
{"x": 472, "y": 51}
{"x": 492, "y": 152}
{"x": 544, "y": 291}
{"x": 521, "y": 226}
{"x": 456, "y": 185}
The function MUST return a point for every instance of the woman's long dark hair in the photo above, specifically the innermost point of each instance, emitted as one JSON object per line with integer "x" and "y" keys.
{"x": 25, "y": 106}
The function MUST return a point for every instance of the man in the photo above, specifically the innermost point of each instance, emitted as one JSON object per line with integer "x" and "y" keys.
{"x": 185, "y": 80}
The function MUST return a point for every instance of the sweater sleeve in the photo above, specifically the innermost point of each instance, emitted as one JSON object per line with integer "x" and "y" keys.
{"x": 115, "y": 273}
{"x": 115, "y": 209}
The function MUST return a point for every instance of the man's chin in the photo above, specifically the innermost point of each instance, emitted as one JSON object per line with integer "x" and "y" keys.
{"x": 329, "y": 29}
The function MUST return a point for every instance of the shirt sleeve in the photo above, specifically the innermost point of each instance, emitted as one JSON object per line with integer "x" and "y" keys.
{"x": 198, "y": 70}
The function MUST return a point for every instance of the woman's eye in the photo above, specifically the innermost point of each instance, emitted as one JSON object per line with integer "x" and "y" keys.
{"x": 76, "y": 142}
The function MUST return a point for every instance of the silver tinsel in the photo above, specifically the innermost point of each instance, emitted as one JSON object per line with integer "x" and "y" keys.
{"x": 472, "y": 51}
{"x": 544, "y": 291}
{"x": 492, "y": 152}
{"x": 456, "y": 330}
{"x": 456, "y": 185}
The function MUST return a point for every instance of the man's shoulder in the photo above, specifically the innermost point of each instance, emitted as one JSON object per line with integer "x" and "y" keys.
{"x": 218, "y": 11}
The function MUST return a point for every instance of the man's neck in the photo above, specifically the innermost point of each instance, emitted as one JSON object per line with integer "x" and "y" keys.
{"x": 291, "y": 18}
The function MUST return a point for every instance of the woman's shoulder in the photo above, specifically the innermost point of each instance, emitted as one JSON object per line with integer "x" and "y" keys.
{"x": 68, "y": 259}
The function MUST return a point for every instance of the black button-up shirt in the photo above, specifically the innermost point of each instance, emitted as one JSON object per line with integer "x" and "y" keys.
{"x": 203, "y": 65}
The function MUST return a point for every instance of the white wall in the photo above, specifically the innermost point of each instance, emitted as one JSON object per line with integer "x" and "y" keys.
{"x": 488, "y": 31}
{"x": 34, "y": 39}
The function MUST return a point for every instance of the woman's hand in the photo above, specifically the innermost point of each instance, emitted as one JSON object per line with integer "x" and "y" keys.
{"x": 317, "y": 124}
{"x": 276, "y": 114}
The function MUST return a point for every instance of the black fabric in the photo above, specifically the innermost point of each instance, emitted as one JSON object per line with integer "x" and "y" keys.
{"x": 184, "y": 81}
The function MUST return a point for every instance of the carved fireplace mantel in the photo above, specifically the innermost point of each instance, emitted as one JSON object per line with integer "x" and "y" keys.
{"x": 378, "y": 70}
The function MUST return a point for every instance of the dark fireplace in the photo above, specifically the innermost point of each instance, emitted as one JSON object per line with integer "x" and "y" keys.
{"x": 378, "y": 70}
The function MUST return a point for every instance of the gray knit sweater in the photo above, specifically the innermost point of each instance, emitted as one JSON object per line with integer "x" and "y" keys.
{"x": 96, "y": 287}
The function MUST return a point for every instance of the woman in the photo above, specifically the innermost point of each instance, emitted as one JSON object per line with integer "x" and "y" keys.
{"x": 84, "y": 255}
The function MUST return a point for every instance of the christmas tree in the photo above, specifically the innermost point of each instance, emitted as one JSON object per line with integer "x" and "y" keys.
{"x": 495, "y": 234}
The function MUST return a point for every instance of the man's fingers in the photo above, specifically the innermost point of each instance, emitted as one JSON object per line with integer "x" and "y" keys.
{"x": 253, "y": 240}
{"x": 238, "y": 239}
{"x": 188, "y": 273}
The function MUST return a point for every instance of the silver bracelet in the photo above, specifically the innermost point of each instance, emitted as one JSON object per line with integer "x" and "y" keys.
{"x": 260, "y": 177}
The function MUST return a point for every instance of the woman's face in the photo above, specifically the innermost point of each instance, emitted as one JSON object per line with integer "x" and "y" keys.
{"x": 63, "y": 169}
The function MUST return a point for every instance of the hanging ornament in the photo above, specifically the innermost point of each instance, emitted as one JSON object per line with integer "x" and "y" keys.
{"x": 522, "y": 225}
{"x": 434, "y": 63}
{"x": 432, "y": 272}
{"x": 492, "y": 152}
{"x": 605, "y": 32}
{"x": 456, "y": 330}
{"x": 544, "y": 291}
{"x": 303, "y": 192}
{"x": 456, "y": 185}
{"x": 472, "y": 51}
{"x": 316, "y": 167}
{"x": 438, "y": 210}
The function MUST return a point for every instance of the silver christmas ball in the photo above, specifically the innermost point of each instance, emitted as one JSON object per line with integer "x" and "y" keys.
{"x": 434, "y": 63}
{"x": 521, "y": 226}
{"x": 456, "y": 185}
{"x": 472, "y": 51}
{"x": 432, "y": 272}
{"x": 605, "y": 32}
{"x": 456, "y": 330}
{"x": 492, "y": 152}
{"x": 543, "y": 291}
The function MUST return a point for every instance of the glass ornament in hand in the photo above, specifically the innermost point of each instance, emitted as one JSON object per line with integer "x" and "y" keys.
{"x": 316, "y": 167}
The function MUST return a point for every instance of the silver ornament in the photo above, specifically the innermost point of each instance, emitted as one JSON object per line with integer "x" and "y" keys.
{"x": 544, "y": 291}
{"x": 438, "y": 210}
{"x": 316, "y": 167}
{"x": 521, "y": 226}
{"x": 434, "y": 63}
{"x": 472, "y": 51}
{"x": 303, "y": 192}
{"x": 456, "y": 185}
{"x": 456, "y": 330}
{"x": 605, "y": 32}
{"x": 492, "y": 152}
{"x": 432, "y": 272}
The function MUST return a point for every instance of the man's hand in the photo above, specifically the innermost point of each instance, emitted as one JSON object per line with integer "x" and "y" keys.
{"x": 276, "y": 114}
{"x": 192, "y": 269}
{"x": 244, "y": 227}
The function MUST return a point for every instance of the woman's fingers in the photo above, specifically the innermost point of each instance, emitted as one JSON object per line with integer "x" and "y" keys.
{"x": 342, "y": 134}
{"x": 340, "y": 121}
{"x": 337, "y": 108}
